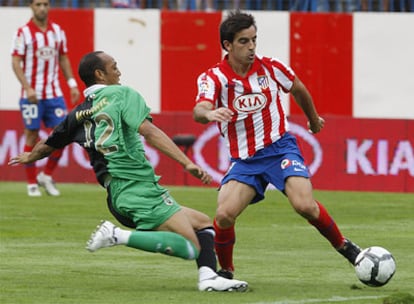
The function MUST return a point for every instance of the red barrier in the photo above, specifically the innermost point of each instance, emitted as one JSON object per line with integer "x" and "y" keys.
{"x": 322, "y": 56}
{"x": 349, "y": 154}
{"x": 186, "y": 55}
{"x": 80, "y": 35}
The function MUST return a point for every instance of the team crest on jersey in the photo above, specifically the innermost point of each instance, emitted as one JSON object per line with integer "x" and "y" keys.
{"x": 167, "y": 199}
{"x": 45, "y": 53}
{"x": 263, "y": 82}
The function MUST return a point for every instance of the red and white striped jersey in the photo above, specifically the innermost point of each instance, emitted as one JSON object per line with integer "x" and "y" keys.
{"x": 40, "y": 52}
{"x": 259, "y": 117}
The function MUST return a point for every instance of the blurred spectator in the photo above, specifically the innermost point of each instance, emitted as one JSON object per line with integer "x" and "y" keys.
{"x": 212, "y": 5}
{"x": 400, "y": 5}
{"x": 206, "y": 5}
{"x": 124, "y": 3}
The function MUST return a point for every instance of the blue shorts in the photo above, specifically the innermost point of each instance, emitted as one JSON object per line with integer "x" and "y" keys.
{"x": 271, "y": 165}
{"x": 51, "y": 111}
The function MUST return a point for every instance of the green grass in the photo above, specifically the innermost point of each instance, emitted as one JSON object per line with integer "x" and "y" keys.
{"x": 284, "y": 259}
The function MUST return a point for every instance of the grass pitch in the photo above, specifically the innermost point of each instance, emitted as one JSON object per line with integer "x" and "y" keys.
{"x": 284, "y": 259}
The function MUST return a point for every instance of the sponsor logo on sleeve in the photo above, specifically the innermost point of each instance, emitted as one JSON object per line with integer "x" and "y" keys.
{"x": 285, "y": 163}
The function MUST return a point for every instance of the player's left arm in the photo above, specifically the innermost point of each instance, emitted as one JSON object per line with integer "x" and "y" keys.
{"x": 159, "y": 140}
{"x": 40, "y": 150}
{"x": 64, "y": 63}
{"x": 304, "y": 99}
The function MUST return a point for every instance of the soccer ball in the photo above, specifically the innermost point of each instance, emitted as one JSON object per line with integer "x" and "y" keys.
{"x": 375, "y": 266}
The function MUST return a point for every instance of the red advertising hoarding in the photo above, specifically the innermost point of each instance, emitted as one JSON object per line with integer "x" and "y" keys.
{"x": 349, "y": 154}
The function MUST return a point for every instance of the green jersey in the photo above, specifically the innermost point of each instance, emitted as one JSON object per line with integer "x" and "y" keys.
{"x": 118, "y": 111}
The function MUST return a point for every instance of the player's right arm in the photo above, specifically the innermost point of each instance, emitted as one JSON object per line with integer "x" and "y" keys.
{"x": 203, "y": 113}
{"x": 18, "y": 70}
{"x": 40, "y": 150}
{"x": 156, "y": 138}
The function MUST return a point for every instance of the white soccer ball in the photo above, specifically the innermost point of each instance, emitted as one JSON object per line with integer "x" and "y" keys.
{"x": 375, "y": 266}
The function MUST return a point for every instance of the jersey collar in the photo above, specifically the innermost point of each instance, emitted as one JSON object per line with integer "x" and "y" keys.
{"x": 92, "y": 89}
{"x": 226, "y": 66}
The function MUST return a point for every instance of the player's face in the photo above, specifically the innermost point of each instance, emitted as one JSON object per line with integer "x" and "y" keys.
{"x": 111, "y": 74}
{"x": 243, "y": 47}
{"x": 40, "y": 9}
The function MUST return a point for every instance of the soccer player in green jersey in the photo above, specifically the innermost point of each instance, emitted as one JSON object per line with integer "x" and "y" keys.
{"x": 109, "y": 125}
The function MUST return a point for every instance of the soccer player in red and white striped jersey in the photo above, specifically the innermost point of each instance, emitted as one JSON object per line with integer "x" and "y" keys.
{"x": 242, "y": 95}
{"x": 39, "y": 48}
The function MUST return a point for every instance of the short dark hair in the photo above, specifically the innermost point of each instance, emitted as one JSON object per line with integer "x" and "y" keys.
{"x": 88, "y": 65}
{"x": 235, "y": 22}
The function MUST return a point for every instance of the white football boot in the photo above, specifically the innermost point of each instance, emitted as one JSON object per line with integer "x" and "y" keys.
{"x": 102, "y": 237}
{"x": 218, "y": 283}
{"x": 47, "y": 182}
{"x": 33, "y": 190}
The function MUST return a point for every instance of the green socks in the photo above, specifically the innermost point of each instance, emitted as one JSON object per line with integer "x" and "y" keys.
{"x": 165, "y": 242}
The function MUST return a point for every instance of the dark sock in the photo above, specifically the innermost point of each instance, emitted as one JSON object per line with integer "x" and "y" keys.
{"x": 207, "y": 256}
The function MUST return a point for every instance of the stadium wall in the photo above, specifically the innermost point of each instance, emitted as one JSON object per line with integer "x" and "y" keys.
{"x": 357, "y": 67}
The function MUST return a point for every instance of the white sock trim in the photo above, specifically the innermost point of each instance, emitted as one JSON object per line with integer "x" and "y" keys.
{"x": 122, "y": 236}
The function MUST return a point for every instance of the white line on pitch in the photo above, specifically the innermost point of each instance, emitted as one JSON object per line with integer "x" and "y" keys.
{"x": 331, "y": 300}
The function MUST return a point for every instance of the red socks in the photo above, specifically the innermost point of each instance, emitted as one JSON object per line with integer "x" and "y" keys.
{"x": 30, "y": 168}
{"x": 328, "y": 228}
{"x": 224, "y": 243}
{"x": 225, "y": 238}
{"x": 52, "y": 161}
{"x": 51, "y": 164}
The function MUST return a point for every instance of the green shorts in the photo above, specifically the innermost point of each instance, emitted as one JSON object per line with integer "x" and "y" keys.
{"x": 147, "y": 204}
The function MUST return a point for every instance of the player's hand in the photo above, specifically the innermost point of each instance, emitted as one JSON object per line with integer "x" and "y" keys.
{"x": 196, "y": 171}
{"x": 31, "y": 95}
{"x": 19, "y": 159}
{"x": 316, "y": 126}
{"x": 74, "y": 95}
{"x": 220, "y": 115}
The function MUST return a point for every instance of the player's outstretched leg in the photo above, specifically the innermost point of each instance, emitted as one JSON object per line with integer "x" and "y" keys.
{"x": 169, "y": 243}
{"x": 328, "y": 228}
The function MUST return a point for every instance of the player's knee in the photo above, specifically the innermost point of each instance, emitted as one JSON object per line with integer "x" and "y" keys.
{"x": 224, "y": 219}
{"x": 307, "y": 209}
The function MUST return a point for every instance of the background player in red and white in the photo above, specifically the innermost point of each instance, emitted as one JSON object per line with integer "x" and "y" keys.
{"x": 39, "y": 48}
{"x": 242, "y": 94}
